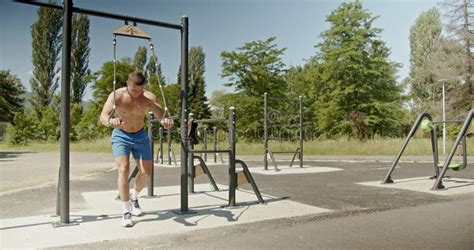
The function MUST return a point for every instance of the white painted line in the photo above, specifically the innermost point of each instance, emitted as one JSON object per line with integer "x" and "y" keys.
{"x": 158, "y": 218}
{"x": 453, "y": 186}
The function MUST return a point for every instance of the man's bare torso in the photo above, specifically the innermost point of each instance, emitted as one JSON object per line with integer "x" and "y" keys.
{"x": 131, "y": 110}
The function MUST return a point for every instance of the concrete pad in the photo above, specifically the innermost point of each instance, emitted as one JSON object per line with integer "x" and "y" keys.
{"x": 101, "y": 221}
{"x": 286, "y": 169}
{"x": 453, "y": 186}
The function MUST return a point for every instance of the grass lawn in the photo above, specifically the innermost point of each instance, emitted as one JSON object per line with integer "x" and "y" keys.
{"x": 417, "y": 146}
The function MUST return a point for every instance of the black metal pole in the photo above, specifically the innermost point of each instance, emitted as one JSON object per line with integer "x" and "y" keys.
{"x": 205, "y": 143}
{"x": 301, "y": 131}
{"x": 232, "y": 174}
{"x": 65, "y": 116}
{"x": 168, "y": 138}
{"x": 214, "y": 131}
{"x": 105, "y": 15}
{"x": 184, "y": 114}
{"x": 161, "y": 145}
{"x": 265, "y": 130}
{"x": 151, "y": 182}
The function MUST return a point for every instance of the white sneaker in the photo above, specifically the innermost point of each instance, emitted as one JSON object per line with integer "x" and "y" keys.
{"x": 136, "y": 210}
{"x": 127, "y": 220}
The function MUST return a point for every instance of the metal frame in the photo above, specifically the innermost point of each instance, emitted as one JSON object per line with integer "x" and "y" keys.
{"x": 266, "y": 138}
{"x": 461, "y": 136}
{"x": 68, "y": 9}
{"x": 461, "y": 139}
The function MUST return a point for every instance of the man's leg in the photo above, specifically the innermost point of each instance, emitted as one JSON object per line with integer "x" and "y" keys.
{"x": 123, "y": 167}
{"x": 140, "y": 181}
{"x": 143, "y": 175}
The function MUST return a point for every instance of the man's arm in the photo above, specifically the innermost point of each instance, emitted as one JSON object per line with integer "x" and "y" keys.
{"x": 158, "y": 111}
{"x": 105, "y": 116}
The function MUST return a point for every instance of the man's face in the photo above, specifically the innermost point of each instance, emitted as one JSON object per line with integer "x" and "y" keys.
{"x": 134, "y": 90}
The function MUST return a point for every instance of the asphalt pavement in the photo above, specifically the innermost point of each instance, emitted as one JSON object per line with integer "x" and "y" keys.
{"x": 362, "y": 217}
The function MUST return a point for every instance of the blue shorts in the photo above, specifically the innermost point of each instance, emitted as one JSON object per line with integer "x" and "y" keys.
{"x": 124, "y": 142}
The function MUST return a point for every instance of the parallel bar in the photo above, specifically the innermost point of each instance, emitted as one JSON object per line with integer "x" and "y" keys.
{"x": 211, "y": 120}
{"x": 106, "y": 15}
{"x": 448, "y": 121}
{"x": 201, "y": 151}
{"x": 282, "y": 99}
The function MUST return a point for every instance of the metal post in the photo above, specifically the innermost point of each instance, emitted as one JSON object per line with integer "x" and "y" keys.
{"x": 168, "y": 138}
{"x": 301, "y": 131}
{"x": 214, "y": 131}
{"x": 232, "y": 174}
{"x": 161, "y": 145}
{"x": 150, "y": 136}
{"x": 265, "y": 131}
{"x": 444, "y": 123}
{"x": 65, "y": 116}
{"x": 205, "y": 143}
{"x": 184, "y": 114}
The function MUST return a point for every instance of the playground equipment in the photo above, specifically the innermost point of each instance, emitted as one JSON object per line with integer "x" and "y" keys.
{"x": 272, "y": 128}
{"x": 425, "y": 122}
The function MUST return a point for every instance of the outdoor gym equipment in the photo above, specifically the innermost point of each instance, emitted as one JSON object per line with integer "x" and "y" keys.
{"x": 236, "y": 178}
{"x": 68, "y": 9}
{"x": 425, "y": 122}
{"x": 202, "y": 134}
{"x": 269, "y": 123}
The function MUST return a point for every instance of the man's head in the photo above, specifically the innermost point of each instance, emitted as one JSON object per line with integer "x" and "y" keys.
{"x": 136, "y": 83}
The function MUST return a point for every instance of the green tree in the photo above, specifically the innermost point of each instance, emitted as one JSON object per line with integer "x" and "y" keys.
{"x": 358, "y": 94}
{"x": 80, "y": 73}
{"x": 460, "y": 14}
{"x": 425, "y": 37}
{"x": 197, "y": 100}
{"x": 153, "y": 68}
{"x": 198, "y": 103}
{"x": 103, "y": 85}
{"x": 46, "y": 46}
{"x": 154, "y": 73}
{"x": 139, "y": 60}
{"x": 255, "y": 68}
{"x": 11, "y": 100}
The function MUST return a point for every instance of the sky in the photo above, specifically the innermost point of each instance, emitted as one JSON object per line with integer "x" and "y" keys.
{"x": 215, "y": 25}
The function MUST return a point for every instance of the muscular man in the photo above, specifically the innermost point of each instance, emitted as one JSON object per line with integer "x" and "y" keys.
{"x": 126, "y": 115}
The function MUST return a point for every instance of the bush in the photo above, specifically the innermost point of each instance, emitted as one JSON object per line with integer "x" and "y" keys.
{"x": 25, "y": 129}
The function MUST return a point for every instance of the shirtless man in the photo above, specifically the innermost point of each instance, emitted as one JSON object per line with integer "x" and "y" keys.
{"x": 132, "y": 103}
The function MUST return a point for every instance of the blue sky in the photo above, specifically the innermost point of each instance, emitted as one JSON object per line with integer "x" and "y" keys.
{"x": 216, "y": 25}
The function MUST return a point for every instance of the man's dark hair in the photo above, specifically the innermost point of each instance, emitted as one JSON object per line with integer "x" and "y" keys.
{"x": 138, "y": 78}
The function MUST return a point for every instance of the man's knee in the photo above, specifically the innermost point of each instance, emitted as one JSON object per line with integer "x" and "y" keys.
{"x": 146, "y": 168}
{"x": 123, "y": 169}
